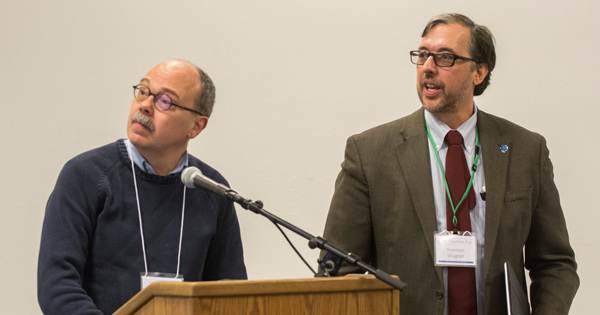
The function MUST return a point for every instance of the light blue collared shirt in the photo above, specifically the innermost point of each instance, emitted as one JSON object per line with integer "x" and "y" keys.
{"x": 141, "y": 162}
{"x": 438, "y": 131}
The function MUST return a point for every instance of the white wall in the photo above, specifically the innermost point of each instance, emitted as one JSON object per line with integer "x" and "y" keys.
{"x": 294, "y": 79}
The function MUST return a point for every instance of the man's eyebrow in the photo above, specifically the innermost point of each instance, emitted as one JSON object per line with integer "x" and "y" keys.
{"x": 442, "y": 49}
{"x": 147, "y": 81}
{"x": 171, "y": 92}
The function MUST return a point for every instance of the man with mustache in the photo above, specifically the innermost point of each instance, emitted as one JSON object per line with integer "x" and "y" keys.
{"x": 448, "y": 174}
{"x": 119, "y": 214}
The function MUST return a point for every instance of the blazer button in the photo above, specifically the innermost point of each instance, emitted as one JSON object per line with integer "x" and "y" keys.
{"x": 439, "y": 295}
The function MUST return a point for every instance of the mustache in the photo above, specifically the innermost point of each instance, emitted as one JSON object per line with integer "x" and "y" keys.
{"x": 436, "y": 82}
{"x": 143, "y": 119}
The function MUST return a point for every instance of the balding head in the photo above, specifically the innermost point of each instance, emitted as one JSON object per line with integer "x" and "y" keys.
{"x": 206, "y": 99}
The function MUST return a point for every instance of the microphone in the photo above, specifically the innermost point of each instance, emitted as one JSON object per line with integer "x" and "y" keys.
{"x": 192, "y": 177}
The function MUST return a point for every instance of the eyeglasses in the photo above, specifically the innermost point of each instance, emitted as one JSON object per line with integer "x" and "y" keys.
{"x": 441, "y": 59}
{"x": 162, "y": 102}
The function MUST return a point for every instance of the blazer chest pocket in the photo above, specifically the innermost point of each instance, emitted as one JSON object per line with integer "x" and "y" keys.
{"x": 516, "y": 195}
{"x": 517, "y": 207}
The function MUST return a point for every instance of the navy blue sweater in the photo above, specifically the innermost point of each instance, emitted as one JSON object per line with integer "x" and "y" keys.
{"x": 91, "y": 252}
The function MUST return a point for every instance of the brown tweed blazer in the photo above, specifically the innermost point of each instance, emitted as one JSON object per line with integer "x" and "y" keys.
{"x": 383, "y": 211}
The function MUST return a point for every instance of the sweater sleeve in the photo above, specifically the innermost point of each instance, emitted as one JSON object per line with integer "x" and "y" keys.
{"x": 225, "y": 257}
{"x": 67, "y": 230}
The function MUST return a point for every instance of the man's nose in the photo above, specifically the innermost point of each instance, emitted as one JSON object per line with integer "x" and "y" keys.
{"x": 147, "y": 105}
{"x": 429, "y": 65}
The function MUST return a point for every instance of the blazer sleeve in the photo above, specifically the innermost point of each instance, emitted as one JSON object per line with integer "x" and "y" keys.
{"x": 548, "y": 254}
{"x": 349, "y": 224}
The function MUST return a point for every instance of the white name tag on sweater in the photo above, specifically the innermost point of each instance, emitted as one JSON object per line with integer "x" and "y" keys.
{"x": 151, "y": 277}
{"x": 455, "y": 250}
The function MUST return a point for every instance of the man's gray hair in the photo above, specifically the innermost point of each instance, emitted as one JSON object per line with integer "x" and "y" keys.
{"x": 206, "y": 100}
{"x": 481, "y": 46}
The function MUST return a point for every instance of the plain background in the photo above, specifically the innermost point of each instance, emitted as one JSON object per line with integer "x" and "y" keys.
{"x": 294, "y": 79}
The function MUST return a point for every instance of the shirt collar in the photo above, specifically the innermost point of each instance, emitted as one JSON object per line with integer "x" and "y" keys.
{"x": 439, "y": 130}
{"x": 141, "y": 162}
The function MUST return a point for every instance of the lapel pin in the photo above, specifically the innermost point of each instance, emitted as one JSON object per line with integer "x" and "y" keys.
{"x": 504, "y": 148}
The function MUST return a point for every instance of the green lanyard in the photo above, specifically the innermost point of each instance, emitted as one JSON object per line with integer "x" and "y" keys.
{"x": 475, "y": 160}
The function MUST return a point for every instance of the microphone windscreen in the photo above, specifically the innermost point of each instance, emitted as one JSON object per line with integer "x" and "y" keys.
{"x": 187, "y": 176}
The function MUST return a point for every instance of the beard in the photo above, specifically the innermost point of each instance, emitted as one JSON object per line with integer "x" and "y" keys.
{"x": 450, "y": 99}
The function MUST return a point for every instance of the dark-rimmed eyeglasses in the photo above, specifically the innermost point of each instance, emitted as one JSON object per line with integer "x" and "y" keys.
{"x": 161, "y": 102}
{"x": 441, "y": 59}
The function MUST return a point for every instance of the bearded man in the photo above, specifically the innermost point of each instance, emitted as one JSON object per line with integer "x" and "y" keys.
{"x": 446, "y": 196}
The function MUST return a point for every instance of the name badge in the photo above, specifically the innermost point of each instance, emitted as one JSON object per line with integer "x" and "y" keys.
{"x": 151, "y": 277}
{"x": 455, "y": 250}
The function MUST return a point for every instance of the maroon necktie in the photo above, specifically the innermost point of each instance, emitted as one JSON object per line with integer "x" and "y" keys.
{"x": 462, "y": 295}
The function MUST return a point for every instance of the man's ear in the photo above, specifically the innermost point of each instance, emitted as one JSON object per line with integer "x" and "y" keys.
{"x": 199, "y": 125}
{"x": 480, "y": 73}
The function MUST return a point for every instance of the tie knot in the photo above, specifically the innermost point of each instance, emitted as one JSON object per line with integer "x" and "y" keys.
{"x": 454, "y": 137}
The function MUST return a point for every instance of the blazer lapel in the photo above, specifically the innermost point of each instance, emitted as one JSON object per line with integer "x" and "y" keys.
{"x": 413, "y": 156}
{"x": 495, "y": 164}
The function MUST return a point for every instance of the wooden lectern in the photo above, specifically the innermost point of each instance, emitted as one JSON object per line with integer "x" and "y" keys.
{"x": 349, "y": 295}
